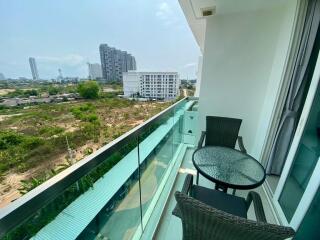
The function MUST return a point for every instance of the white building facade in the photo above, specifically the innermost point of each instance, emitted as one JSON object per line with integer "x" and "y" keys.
{"x": 151, "y": 85}
{"x": 95, "y": 71}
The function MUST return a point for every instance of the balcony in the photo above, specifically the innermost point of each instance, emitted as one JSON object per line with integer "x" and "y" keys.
{"x": 170, "y": 226}
{"x": 122, "y": 191}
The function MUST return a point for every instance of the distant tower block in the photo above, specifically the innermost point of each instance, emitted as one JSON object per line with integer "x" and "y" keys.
{"x": 60, "y": 72}
{"x": 33, "y": 67}
{"x": 60, "y": 76}
{"x": 94, "y": 70}
{"x": 2, "y": 77}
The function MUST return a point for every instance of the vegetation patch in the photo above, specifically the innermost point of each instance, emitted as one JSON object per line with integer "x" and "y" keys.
{"x": 85, "y": 112}
{"x": 89, "y": 89}
{"x": 48, "y": 131}
{"x": 36, "y": 141}
{"x": 15, "y": 148}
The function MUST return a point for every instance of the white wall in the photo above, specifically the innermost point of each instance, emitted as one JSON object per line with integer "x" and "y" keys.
{"x": 199, "y": 76}
{"x": 131, "y": 83}
{"x": 240, "y": 53}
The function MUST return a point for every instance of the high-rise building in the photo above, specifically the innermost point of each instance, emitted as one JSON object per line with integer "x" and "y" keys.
{"x": 114, "y": 62}
{"x": 60, "y": 76}
{"x": 34, "y": 70}
{"x": 95, "y": 72}
{"x": 2, "y": 77}
{"x": 152, "y": 85}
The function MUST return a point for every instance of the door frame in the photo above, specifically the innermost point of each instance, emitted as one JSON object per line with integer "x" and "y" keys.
{"x": 314, "y": 181}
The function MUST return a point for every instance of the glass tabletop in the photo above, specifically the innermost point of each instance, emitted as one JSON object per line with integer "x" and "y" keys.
{"x": 229, "y": 167}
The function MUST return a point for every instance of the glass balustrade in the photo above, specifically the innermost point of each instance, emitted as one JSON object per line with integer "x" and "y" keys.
{"x": 109, "y": 195}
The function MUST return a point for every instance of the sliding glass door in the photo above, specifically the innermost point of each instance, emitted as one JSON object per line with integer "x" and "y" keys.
{"x": 309, "y": 227}
{"x": 304, "y": 162}
{"x": 300, "y": 179}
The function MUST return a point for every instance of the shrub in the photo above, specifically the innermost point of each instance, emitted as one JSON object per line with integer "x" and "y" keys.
{"x": 16, "y": 150}
{"x": 89, "y": 89}
{"x": 77, "y": 138}
{"x": 28, "y": 185}
{"x": 50, "y": 131}
{"x": 9, "y": 139}
{"x": 88, "y": 151}
{"x": 32, "y": 92}
{"x": 86, "y": 113}
{"x": 53, "y": 90}
{"x": 91, "y": 131}
{"x": 91, "y": 118}
{"x": 31, "y": 142}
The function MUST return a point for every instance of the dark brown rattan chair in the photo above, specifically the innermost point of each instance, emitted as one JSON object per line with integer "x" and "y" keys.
{"x": 221, "y": 131}
{"x": 211, "y": 214}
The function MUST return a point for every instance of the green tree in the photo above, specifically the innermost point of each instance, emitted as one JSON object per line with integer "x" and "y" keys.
{"x": 32, "y": 92}
{"x": 89, "y": 89}
{"x": 53, "y": 90}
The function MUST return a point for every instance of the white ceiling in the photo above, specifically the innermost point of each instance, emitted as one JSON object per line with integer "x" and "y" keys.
{"x": 233, "y": 6}
{"x": 193, "y": 11}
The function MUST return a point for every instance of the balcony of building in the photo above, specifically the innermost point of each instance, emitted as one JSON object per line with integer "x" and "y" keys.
{"x": 123, "y": 191}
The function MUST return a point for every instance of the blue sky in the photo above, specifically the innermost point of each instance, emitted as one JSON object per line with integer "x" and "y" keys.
{"x": 66, "y": 34}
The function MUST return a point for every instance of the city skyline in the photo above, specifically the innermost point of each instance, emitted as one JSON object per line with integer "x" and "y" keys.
{"x": 155, "y": 32}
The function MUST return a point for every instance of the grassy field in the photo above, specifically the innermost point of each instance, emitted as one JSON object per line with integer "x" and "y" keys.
{"x": 33, "y": 140}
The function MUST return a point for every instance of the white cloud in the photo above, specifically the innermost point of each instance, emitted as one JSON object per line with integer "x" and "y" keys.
{"x": 71, "y": 60}
{"x": 189, "y": 65}
{"x": 166, "y": 13}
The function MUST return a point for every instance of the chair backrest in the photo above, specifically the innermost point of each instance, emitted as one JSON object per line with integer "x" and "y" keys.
{"x": 200, "y": 221}
{"x": 222, "y": 131}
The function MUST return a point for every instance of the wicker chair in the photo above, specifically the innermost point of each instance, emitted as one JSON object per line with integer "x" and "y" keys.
{"x": 210, "y": 214}
{"x": 221, "y": 131}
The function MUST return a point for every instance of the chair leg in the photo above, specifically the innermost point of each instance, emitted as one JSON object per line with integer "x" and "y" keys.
{"x": 234, "y": 191}
{"x": 197, "y": 179}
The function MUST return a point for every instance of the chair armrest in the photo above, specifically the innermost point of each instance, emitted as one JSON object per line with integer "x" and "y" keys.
{"x": 185, "y": 189}
{"x": 241, "y": 146}
{"x": 258, "y": 207}
{"x": 187, "y": 184}
{"x": 201, "y": 140}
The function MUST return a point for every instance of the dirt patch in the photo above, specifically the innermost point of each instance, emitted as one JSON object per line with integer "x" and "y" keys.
{"x": 12, "y": 181}
{"x": 5, "y": 91}
{"x": 109, "y": 90}
{"x": 5, "y": 117}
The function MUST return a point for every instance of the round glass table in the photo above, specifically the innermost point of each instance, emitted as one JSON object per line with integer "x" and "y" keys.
{"x": 228, "y": 168}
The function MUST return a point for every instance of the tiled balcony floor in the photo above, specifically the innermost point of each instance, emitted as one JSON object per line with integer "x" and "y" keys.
{"x": 170, "y": 226}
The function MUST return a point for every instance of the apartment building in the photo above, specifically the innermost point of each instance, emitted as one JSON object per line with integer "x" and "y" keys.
{"x": 94, "y": 70}
{"x": 33, "y": 67}
{"x": 152, "y": 85}
{"x": 2, "y": 77}
{"x": 114, "y": 62}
